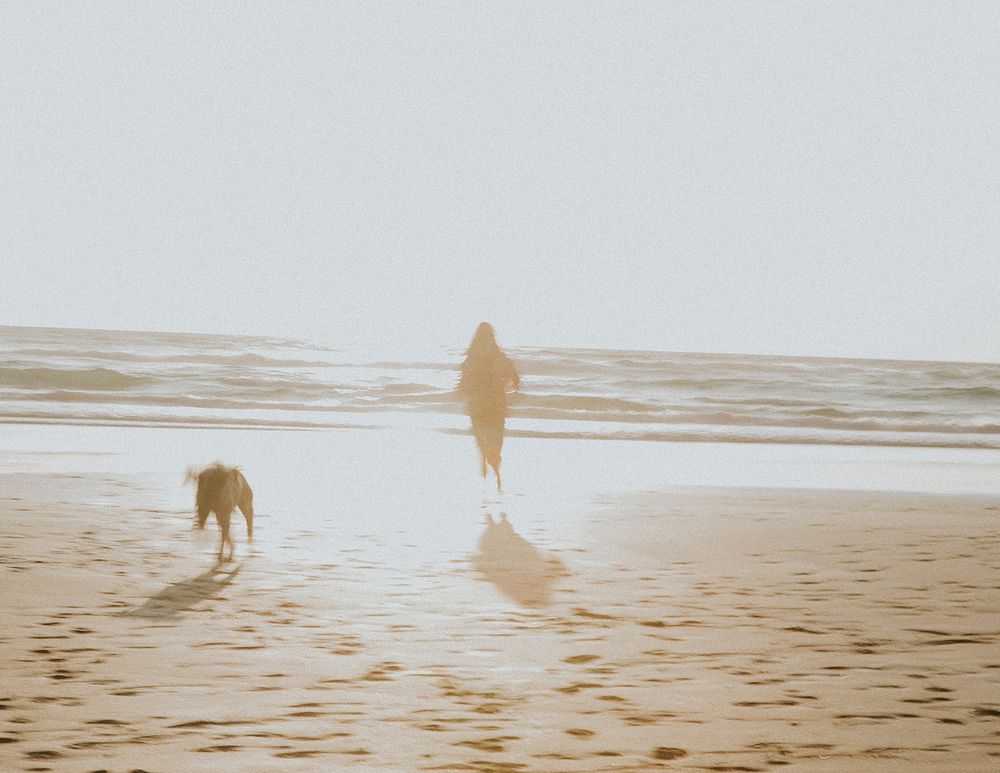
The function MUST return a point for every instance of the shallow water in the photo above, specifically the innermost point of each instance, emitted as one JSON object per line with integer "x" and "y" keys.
{"x": 152, "y": 379}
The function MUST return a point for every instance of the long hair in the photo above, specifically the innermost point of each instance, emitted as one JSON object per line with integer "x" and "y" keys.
{"x": 487, "y": 372}
{"x": 486, "y": 368}
{"x": 483, "y": 351}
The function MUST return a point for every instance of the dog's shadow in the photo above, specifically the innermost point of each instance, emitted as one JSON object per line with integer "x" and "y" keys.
{"x": 181, "y": 596}
{"x": 517, "y": 569}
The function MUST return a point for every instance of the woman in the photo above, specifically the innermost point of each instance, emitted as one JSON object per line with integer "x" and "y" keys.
{"x": 486, "y": 375}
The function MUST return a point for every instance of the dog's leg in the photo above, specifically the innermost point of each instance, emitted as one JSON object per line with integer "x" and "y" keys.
{"x": 246, "y": 505}
{"x": 224, "y": 518}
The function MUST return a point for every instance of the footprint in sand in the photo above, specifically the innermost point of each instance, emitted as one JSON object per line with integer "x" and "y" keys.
{"x": 43, "y": 755}
{"x": 493, "y": 744}
{"x": 575, "y": 659}
{"x": 667, "y": 753}
{"x": 380, "y": 673}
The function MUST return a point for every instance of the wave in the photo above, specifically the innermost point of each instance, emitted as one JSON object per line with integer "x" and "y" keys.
{"x": 91, "y": 379}
{"x": 584, "y": 404}
{"x": 546, "y": 409}
{"x": 985, "y": 393}
{"x": 228, "y": 380}
{"x": 63, "y": 338}
{"x": 164, "y": 358}
{"x": 852, "y": 439}
{"x": 198, "y": 421}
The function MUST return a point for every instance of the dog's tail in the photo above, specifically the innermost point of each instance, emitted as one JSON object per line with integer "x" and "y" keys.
{"x": 191, "y": 474}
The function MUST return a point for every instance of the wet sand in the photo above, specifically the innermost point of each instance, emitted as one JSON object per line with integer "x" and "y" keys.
{"x": 677, "y": 629}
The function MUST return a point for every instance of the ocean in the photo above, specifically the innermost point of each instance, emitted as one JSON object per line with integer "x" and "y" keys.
{"x": 150, "y": 379}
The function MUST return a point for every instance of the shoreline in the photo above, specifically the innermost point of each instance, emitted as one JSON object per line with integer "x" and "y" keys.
{"x": 844, "y": 438}
{"x": 550, "y": 471}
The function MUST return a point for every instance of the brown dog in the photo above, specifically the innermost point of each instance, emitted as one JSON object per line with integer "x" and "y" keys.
{"x": 221, "y": 490}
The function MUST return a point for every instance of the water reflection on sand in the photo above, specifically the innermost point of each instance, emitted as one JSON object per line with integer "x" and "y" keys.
{"x": 517, "y": 569}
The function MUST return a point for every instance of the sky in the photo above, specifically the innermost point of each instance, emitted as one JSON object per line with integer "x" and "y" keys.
{"x": 777, "y": 178}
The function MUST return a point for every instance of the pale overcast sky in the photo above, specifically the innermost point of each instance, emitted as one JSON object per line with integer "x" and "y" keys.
{"x": 795, "y": 178}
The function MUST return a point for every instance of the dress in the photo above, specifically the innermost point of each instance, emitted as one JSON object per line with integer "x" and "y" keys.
{"x": 486, "y": 376}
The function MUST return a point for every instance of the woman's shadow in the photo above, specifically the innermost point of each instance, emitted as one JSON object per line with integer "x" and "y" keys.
{"x": 517, "y": 568}
{"x": 183, "y": 595}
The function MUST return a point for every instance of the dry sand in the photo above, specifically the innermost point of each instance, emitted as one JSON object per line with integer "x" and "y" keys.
{"x": 693, "y": 629}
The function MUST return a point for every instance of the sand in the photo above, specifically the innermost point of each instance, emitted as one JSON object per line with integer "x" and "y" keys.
{"x": 677, "y": 628}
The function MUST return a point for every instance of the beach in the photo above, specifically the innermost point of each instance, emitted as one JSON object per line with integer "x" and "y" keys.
{"x": 710, "y": 287}
{"x": 622, "y": 606}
